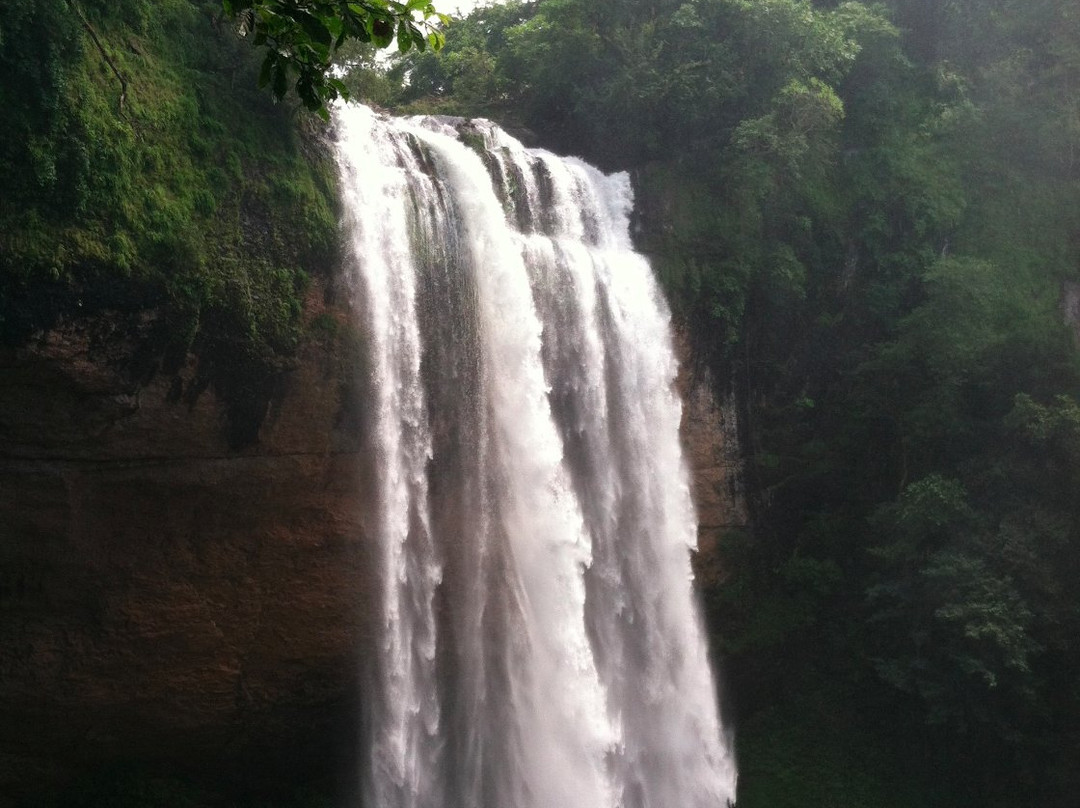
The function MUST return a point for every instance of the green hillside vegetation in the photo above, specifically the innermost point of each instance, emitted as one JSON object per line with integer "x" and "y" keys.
{"x": 868, "y": 215}
{"x": 146, "y": 176}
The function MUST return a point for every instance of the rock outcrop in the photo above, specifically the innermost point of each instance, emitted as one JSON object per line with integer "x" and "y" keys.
{"x": 710, "y": 437}
{"x": 710, "y": 433}
{"x": 164, "y": 598}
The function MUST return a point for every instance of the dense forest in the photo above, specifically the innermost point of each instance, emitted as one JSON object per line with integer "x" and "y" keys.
{"x": 868, "y": 218}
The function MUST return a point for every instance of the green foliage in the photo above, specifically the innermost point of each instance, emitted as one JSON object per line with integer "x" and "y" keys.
{"x": 817, "y": 754}
{"x": 467, "y": 76}
{"x": 301, "y": 39}
{"x": 37, "y": 41}
{"x": 196, "y": 199}
{"x": 968, "y": 629}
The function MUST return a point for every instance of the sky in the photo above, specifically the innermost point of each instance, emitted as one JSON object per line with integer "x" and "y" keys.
{"x": 459, "y": 8}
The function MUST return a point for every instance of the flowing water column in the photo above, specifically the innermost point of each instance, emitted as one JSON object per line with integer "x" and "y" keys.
{"x": 578, "y": 675}
{"x": 675, "y": 751}
{"x": 555, "y": 741}
{"x": 381, "y": 181}
{"x": 609, "y": 360}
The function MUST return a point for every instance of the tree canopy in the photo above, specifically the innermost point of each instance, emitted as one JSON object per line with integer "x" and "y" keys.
{"x": 300, "y": 38}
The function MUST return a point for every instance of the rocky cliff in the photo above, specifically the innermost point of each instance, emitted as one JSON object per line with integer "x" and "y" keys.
{"x": 196, "y": 608}
{"x": 163, "y": 597}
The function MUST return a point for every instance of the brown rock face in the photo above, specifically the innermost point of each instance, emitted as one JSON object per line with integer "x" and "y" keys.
{"x": 165, "y": 598}
{"x": 710, "y": 437}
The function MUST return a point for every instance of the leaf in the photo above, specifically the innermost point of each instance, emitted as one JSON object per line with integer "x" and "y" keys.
{"x": 315, "y": 29}
{"x": 382, "y": 32}
{"x": 321, "y": 51}
{"x": 338, "y": 87}
{"x": 267, "y": 67}
{"x": 281, "y": 80}
{"x": 417, "y": 37}
{"x": 306, "y": 91}
{"x": 335, "y": 25}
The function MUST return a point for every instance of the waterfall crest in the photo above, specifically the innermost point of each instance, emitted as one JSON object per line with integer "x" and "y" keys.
{"x": 540, "y": 646}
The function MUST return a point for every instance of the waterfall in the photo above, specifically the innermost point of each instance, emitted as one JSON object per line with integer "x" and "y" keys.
{"x": 539, "y": 641}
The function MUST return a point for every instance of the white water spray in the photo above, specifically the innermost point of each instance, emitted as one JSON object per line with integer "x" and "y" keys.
{"x": 540, "y": 643}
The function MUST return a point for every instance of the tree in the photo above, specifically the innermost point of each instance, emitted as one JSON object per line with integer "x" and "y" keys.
{"x": 302, "y": 36}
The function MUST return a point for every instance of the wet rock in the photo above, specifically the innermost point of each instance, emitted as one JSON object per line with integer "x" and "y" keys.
{"x": 710, "y": 436}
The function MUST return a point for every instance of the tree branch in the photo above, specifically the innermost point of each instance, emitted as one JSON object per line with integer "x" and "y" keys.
{"x": 104, "y": 55}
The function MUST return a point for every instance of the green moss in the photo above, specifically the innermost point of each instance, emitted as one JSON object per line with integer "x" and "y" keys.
{"x": 197, "y": 196}
{"x": 474, "y": 140}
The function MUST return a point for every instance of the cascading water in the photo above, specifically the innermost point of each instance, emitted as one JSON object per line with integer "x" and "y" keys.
{"x": 540, "y": 643}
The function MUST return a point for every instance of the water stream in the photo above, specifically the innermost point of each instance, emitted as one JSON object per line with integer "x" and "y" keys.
{"x": 540, "y": 643}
